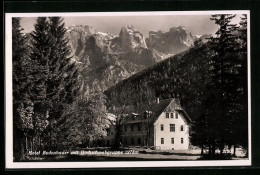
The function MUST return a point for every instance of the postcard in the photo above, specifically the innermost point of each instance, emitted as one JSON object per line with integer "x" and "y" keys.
{"x": 128, "y": 89}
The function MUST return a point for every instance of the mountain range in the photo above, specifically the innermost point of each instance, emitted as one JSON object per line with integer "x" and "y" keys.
{"x": 106, "y": 59}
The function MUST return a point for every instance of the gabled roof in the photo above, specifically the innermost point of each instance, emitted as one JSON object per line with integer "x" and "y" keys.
{"x": 161, "y": 107}
{"x": 164, "y": 105}
{"x": 168, "y": 105}
{"x": 185, "y": 115}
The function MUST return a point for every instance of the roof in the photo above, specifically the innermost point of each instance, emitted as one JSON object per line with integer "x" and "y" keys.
{"x": 167, "y": 105}
{"x": 185, "y": 115}
{"x": 164, "y": 105}
{"x": 161, "y": 107}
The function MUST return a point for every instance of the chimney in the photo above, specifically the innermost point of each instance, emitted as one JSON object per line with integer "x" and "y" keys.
{"x": 158, "y": 100}
{"x": 177, "y": 101}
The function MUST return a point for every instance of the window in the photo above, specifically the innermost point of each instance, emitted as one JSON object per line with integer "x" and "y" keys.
{"x": 182, "y": 128}
{"x": 162, "y": 127}
{"x": 167, "y": 115}
{"x": 139, "y": 141}
{"x": 108, "y": 131}
{"x": 132, "y": 141}
{"x": 181, "y": 140}
{"x": 171, "y": 115}
{"x": 176, "y": 116}
{"x": 162, "y": 140}
{"x": 172, "y": 140}
{"x": 139, "y": 127}
{"x": 132, "y": 128}
{"x": 172, "y": 127}
{"x": 126, "y": 141}
{"x": 125, "y": 128}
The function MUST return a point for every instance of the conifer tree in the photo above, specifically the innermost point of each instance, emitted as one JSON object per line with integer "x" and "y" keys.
{"x": 241, "y": 125}
{"x": 20, "y": 83}
{"x": 41, "y": 44}
{"x": 19, "y": 52}
{"x": 41, "y": 48}
{"x": 63, "y": 82}
{"x": 54, "y": 75}
{"x": 223, "y": 85}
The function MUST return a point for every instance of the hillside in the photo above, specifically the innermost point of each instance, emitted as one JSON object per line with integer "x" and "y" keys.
{"x": 171, "y": 78}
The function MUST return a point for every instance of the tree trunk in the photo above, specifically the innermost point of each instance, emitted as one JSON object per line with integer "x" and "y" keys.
{"x": 26, "y": 144}
{"x": 221, "y": 148}
{"x": 117, "y": 136}
{"x": 201, "y": 150}
{"x": 213, "y": 148}
{"x": 22, "y": 156}
{"x": 31, "y": 143}
{"x": 229, "y": 146}
{"x": 40, "y": 144}
{"x": 18, "y": 143}
{"x": 50, "y": 147}
{"x": 146, "y": 139}
{"x": 234, "y": 151}
{"x": 210, "y": 150}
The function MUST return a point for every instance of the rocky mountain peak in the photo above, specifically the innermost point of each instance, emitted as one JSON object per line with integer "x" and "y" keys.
{"x": 130, "y": 38}
{"x": 82, "y": 29}
{"x": 176, "y": 40}
{"x": 129, "y": 28}
{"x": 178, "y": 28}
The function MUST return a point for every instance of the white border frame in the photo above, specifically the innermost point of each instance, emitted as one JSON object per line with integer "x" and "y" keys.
{"x": 117, "y": 164}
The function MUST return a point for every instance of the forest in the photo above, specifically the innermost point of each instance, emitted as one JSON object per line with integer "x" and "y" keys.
{"x": 50, "y": 111}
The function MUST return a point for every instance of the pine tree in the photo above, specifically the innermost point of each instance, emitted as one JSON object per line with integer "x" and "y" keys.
{"x": 41, "y": 48}
{"x": 223, "y": 85}
{"x": 54, "y": 75}
{"x": 241, "y": 124}
{"x": 64, "y": 80}
{"x": 21, "y": 98}
{"x": 20, "y": 60}
{"x": 41, "y": 44}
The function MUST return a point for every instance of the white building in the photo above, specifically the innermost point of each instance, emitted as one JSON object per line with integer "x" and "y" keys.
{"x": 166, "y": 127}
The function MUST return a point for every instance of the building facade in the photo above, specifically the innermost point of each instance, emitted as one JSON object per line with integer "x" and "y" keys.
{"x": 166, "y": 127}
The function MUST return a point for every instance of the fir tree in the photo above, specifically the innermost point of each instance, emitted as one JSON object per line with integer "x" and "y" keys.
{"x": 20, "y": 59}
{"x": 241, "y": 125}
{"x": 41, "y": 48}
{"x": 63, "y": 81}
{"x": 41, "y": 45}
{"x": 223, "y": 86}
{"x": 20, "y": 87}
{"x": 54, "y": 75}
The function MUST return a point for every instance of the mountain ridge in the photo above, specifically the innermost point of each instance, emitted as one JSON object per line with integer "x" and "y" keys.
{"x": 107, "y": 59}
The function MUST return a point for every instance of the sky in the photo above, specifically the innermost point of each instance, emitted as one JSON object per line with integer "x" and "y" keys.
{"x": 197, "y": 24}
